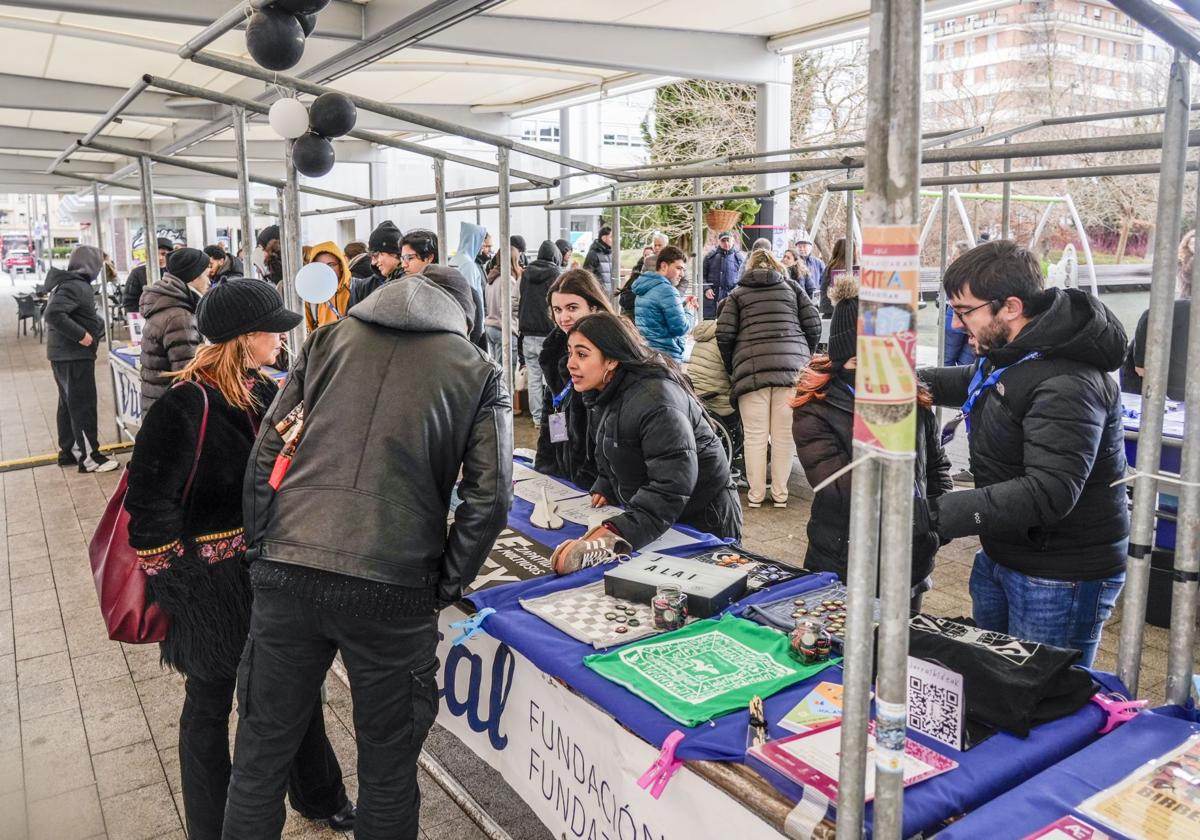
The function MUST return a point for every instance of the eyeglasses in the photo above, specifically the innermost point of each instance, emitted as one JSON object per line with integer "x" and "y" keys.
{"x": 406, "y": 257}
{"x": 963, "y": 313}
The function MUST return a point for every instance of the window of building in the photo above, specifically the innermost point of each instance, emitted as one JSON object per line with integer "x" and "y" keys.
{"x": 1097, "y": 13}
{"x": 540, "y": 131}
{"x": 933, "y": 52}
{"x": 991, "y": 72}
{"x": 1083, "y": 9}
{"x": 1083, "y": 43}
{"x": 970, "y": 46}
{"x": 993, "y": 41}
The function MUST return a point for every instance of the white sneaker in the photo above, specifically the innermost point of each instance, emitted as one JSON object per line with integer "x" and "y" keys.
{"x": 107, "y": 465}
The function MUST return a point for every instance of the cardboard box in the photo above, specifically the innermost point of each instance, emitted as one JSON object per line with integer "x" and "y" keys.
{"x": 709, "y": 588}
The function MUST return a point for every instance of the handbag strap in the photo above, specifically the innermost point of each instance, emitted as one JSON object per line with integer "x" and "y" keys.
{"x": 187, "y": 488}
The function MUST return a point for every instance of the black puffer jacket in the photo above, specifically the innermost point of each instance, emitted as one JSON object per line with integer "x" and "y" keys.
{"x": 658, "y": 457}
{"x": 599, "y": 261}
{"x": 824, "y": 434}
{"x": 425, "y": 403}
{"x": 135, "y": 284}
{"x": 766, "y": 331}
{"x": 574, "y": 459}
{"x": 1046, "y": 444}
{"x": 194, "y": 551}
{"x": 70, "y": 313}
{"x": 232, "y": 267}
{"x": 170, "y": 336}
{"x": 535, "y": 317}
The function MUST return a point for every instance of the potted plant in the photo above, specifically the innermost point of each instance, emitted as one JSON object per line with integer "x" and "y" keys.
{"x": 725, "y": 215}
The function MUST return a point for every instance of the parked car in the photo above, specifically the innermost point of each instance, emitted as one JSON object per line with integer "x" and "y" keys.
{"x": 21, "y": 261}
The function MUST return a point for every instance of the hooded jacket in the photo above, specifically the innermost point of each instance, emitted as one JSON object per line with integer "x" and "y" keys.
{"x": 318, "y": 315}
{"x": 658, "y": 457}
{"x": 70, "y": 313}
{"x": 535, "y": 317}
{"x": 428, "y": 404}
{"x": 170, "y": 336}
{"x": 1046, "y": 444}
{"x": 361, "y": 268}
{"x": 470, "y": 240}
{"x": 599, "y": 261}
{"x": 721, "y": 271}
{"x": 660, "y": 315}
{"x": 824, "y": 434}
{"x": 707, "y": 371}
{"x": 232, "y": 267}
{"x": 496, "y": 304}
{"x": 766, "y": 331}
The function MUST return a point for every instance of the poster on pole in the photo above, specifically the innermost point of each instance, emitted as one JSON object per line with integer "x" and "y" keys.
{"x": 886, "y": 383}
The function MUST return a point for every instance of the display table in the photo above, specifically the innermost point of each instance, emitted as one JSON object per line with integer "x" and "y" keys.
{"x": 1058, "y": 791}
{"x": 573, "y": 744}
{"x": 124, "y": 363}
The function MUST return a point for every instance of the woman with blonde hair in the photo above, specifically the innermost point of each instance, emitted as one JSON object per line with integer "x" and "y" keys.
{"x": 767, "y": 331}
{"x": 184, "y": 501}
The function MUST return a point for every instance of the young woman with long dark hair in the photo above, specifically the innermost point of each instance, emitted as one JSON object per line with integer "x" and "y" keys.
{"x": 656, "y": 454}
{"x": 185, "y": 522}
{"x": 564, "y": 448}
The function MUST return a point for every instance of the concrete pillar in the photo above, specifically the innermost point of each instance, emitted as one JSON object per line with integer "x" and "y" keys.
{"x": 774, "y": 121}
{"x": 210, "y": 227}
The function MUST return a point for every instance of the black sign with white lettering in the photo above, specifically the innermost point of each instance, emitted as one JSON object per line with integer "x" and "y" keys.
{"x": 514, "y": 557}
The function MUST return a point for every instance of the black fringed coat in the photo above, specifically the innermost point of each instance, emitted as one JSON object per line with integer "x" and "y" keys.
{"x": 193, "y": 553}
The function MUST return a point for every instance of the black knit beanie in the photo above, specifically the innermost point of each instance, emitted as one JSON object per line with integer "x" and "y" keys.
{"x": 215, "y": 252}
{"x": 187, "y": 263}
{"x": 843, "y": 329}
{"x": 385, "y": 239}
{"x": 267, "y": 235}
{"x": 239, "y": 306}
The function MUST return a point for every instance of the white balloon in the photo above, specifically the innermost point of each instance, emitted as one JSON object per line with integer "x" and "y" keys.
{"x": 289, "y": 118}
{"x": 316, "y": 283}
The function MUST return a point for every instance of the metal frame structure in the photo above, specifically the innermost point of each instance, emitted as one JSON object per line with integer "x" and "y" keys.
{"x": 892, "y": 159}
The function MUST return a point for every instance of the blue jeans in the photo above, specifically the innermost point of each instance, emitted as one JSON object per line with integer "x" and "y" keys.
{"x": 1063, "y": 613}
{"x": 531, "y": 348}
{"x": 495, "y": 341}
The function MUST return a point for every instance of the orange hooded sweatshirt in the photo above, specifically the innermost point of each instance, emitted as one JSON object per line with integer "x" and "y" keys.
{"x": 319, "y": 315}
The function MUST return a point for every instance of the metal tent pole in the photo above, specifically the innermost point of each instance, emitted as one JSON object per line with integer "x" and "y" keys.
{"x": 1162, "y": 301}
{"x": 698, "y": 245}
{"x": 549, "y": 217}
{"x": 943, "y": 262}
{"x": 615, "y": 277}
{"x": 1181, "y": 648}
{"x": 849, "y": 233}
{"x": 112, "y": 381}
{"x": 150, "y": 225}
{"x": 1006, "y": 202}
{"x": 243, "y": 179}
{"x": 506, "y": 289}
{"x": 29, "y": 212}
{"x": 860, "y": 643}
{"x": 50, "y": 236}
{"x": 291, "y": 248}
{"x": 439, "y": 190}
{"x": 892, "y": 197}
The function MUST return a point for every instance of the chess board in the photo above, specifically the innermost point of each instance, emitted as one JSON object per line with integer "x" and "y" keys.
{"x": 760, "y": 572}
{"x": 584, "y": 614}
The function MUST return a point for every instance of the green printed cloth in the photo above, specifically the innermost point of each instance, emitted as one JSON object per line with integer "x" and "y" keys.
{"x": 705, "y": 669}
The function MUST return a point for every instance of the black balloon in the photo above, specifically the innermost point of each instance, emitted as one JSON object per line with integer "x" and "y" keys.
{"x": 312, "y": 155}
{"x": 308, "y": 23}
{"x": 332, "y": 115}
{"x": 301, "y": 7}
{"x": 275, "y": 39}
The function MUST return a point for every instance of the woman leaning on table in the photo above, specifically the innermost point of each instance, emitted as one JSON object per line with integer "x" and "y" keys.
{"x": 656, "y": 453}
{"x": 192, "y": 549}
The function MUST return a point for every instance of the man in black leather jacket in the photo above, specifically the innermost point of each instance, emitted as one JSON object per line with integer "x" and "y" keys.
{"x": 351, "y": 553}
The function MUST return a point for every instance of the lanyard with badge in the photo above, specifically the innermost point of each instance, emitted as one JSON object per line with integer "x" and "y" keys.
{"x": 975, "y": 390}
{"x": 558, "y": 420}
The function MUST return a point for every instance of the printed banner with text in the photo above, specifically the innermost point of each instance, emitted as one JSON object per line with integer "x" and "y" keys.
{"x": 886, "y": 383}
{"x": 575, "y": 766}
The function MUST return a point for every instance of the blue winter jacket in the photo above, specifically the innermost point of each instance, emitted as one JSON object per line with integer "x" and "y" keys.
{"x": 660, "y": 315}
{"x": 721, "y": 272}
{"x": 816, "y": 267}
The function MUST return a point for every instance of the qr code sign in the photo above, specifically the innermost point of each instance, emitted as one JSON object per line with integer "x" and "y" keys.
{"x": 935, "y": 702}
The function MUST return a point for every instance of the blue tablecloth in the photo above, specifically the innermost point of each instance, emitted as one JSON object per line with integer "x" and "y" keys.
{"x": 1058, "y": 790}
{"x": 984, "y": 772}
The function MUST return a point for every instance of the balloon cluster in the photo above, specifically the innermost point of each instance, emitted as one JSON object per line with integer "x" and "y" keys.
{"x": 275, "y": 35}
{"x": 331, "y": 115}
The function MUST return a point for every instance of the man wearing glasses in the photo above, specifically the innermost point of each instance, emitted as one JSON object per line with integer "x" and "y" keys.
{"x": 1044, "y": 425}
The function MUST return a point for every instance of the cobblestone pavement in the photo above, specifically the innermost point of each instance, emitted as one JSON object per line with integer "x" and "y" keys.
{"x": 88, "y": 726}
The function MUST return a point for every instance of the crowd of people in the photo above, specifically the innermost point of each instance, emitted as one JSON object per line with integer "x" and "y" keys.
{"x": 239, "y": 485}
